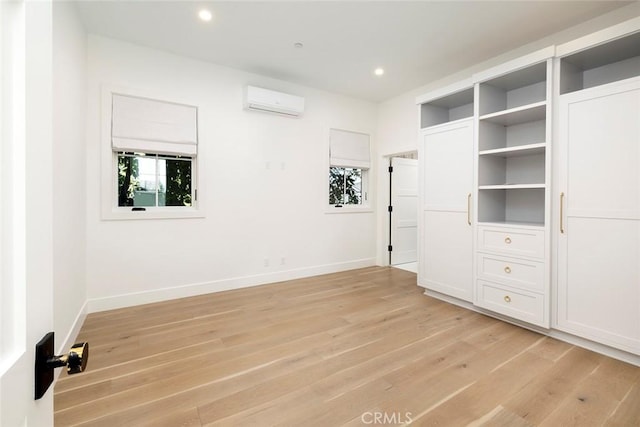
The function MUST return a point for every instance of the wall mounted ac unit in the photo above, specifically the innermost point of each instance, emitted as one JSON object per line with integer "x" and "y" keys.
{"x": 260, "y": 99}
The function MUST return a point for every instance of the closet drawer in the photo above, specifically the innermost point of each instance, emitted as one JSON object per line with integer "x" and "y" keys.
{"x": 522, "y": 305}
{"x": 512, "y": 241}
{"x": 512, "y": 271}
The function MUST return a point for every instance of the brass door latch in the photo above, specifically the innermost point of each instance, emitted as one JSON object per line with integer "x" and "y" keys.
{"x": 46, "y": 361}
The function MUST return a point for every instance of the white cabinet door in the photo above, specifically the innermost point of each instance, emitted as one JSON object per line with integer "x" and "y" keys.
{"x": 446, "y": 158}
{"x": 598, "y": 281}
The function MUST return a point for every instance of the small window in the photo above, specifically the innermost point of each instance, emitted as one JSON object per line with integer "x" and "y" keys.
{"x": 345, "y": 186}
{"x": 349, "y": 162}
{"x": 146, "y": 179}
{"x": 153, "y": 159}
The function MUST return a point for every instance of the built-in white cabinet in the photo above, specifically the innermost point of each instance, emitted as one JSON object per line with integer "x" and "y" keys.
{"x": 513, "y": 163}
{"x": 446, "y": 175}
{"x": 598, "y": 196}
{"x": 498, "y": 234}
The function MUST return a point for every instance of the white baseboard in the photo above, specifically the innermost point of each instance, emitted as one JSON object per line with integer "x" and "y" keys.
{"x": 127, "y": 300}
{"x": 553, "y": 333}
{"x": 63, "y": 346}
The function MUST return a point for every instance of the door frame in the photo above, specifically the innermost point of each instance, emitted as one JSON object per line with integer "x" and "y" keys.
{"x": 30, "y": 213}
{"x": 385, "y": 188}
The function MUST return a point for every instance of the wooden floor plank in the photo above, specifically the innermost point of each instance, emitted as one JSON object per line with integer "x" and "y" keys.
{"x": 328, "y": 351}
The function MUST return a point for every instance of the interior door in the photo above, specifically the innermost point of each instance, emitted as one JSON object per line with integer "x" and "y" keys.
{"x": 26, "y": 261}
{"x": 404, "y": 217}
{"x": 599, "y": 209}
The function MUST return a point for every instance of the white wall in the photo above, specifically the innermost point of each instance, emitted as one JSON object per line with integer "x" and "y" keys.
{"x": 252, "y": 212}
{"x": 69, "y": 159}
{"x": 398, "y": 119}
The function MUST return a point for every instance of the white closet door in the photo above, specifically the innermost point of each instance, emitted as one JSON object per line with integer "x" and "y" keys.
{"x": 599, "y": 248}
{"x": 446, "y": 240}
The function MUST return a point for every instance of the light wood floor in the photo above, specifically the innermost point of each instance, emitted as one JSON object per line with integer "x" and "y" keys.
{"x": 339, "y": 349}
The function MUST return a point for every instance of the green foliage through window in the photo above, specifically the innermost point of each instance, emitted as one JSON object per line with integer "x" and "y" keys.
{"x": 345, "y": 186}
{"x": 146, "y": 179}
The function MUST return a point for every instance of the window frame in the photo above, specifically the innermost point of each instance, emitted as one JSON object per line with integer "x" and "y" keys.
{"x": 156, "y": 158}
{"x": 109, "y": 165}
{"x": 366, "y": 206}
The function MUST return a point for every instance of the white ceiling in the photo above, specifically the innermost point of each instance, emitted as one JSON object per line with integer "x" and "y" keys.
{"x": 415, "y": 42}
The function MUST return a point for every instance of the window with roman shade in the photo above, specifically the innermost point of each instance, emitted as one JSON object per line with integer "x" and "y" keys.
{"x": 154, "y": 145}
{"x": 146, "y": 125}
{"x": 349, "y": 149}
{"x": 349, "y": 162}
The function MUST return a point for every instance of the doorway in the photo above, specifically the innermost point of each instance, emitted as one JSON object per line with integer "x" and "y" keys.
{"x": 403, "y": 211}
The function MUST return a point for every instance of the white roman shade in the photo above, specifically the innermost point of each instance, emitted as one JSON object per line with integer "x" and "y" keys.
{"x": 146, "y": 125}
{"x": 349, "y": 149}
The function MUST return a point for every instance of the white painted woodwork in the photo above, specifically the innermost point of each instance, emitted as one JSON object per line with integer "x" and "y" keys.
{"x": 513, "y": 134}
{"x": 513, "y": 157}
{"x": 530, "y": 307}
{"x": 26, "y": 280}
{"x": 514, "y": 272}
{"x": 446, "y": 159}
{"x": 527, "y": 242}
{"x": 404, "y": 218}
{"x": 446, "y": 255}
{"x": 598, "y": 283}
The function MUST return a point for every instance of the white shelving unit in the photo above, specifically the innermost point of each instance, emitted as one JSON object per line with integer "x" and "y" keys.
{"x": 512, "y": 145}
{"x": 511, "y": 268}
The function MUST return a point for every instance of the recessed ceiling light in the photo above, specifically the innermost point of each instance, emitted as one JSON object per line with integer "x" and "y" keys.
{"x": 378, "y": 71}
{"x": 298, "y": 45}
{"x": 205, "y": 15}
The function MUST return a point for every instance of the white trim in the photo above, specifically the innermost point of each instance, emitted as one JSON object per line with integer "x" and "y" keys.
{"x": 346, "y": 209}
{"x": 367, "y": 176}
{"x": 157, "y": 295}
{"x": 600, "y": 37}
{"x": 443, "y": 92}
{"x": 516, "y": 64}
{"x": 553, "y": 333}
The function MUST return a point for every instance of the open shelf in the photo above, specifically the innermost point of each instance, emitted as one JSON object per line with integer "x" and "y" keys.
{"x": 516, "y": 171}
{"x": 513, "y": 131}
{"x": 609, "y": 62}
{"x": 520, "y": 224}
{"x": 512, "y": 204}
{"x": 518, "y": 115}
{"x": 493, "y": 136}
{"x": 447, "y": 109}
{"x": 510, "y": 186}
{"x": 511, "y": 91}
{"x": 516, "y": 151}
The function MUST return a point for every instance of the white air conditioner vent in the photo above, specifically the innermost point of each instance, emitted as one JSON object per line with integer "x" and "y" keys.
{"x": 260, "y": 99}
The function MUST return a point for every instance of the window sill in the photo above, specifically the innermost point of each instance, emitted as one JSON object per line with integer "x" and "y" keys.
{"x": 348, "y": 209}
{"x": 152, "y": 213}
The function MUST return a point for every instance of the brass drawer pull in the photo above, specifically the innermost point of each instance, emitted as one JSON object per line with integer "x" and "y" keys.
{"x": 507, "y": 298}
{"x": 507, "y": 240}
{"x": 507, "y": 269}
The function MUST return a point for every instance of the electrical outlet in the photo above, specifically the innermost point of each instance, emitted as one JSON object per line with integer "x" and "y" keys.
{"x": 283, "y": 261}
{"x": 266, "y": 262}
